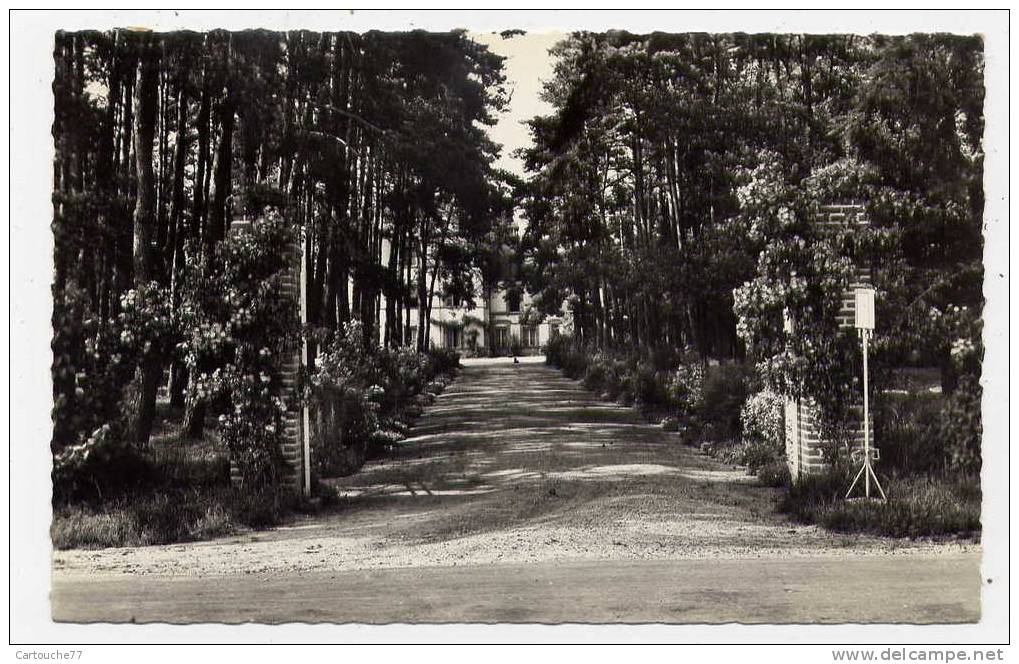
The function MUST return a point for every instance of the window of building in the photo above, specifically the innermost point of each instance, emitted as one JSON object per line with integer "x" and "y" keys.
{"x": 513, "y": 301}
{"x": 501, "y": 338}
{"x": 529, "y": 336}
{"x": 452, "y": 337}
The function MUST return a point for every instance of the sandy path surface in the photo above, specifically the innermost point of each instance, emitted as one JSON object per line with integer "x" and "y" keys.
{"x": 516, "y": 465}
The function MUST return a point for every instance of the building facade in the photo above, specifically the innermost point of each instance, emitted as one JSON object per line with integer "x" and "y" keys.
{"x": 501, "y": 323}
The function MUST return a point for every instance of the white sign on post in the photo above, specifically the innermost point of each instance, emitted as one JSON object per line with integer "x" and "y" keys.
{"x": 865, "y": 308}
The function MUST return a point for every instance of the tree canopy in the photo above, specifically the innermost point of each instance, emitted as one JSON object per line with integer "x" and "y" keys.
{"x": 373, "y": 146}
{"x": 672, "y": 165}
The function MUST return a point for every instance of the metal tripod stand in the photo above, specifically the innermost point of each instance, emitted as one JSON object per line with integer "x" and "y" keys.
{"x": 867, "y": 470}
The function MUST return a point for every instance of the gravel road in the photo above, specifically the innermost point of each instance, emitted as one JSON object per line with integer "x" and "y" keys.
{"x": 519, "y": 481}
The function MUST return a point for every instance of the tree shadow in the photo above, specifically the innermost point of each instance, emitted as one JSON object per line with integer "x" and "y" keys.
{"x": 516, "y": 444}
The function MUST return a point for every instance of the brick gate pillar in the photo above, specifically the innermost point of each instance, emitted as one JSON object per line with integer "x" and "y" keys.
{"x": 289, "y": 364}
{"x": 804, "y": 438}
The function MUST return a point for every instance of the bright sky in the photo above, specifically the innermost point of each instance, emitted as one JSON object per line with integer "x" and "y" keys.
{"x": 527, "y": 66}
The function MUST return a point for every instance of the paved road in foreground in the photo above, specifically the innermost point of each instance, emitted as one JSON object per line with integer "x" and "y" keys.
{"x": 766, "y": 590}
{"x": 520, "y": 497}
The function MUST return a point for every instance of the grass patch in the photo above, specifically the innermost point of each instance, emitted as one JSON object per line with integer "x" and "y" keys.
{"x": 752, "y": 454}
{"x": 161, "y": 517}
{"x": 909, "y": 430}
{"x": 173, "y": 490}
{"x": 774, "y": 473}
{"x": 917, "y": 506}
{"x": 765, "y": 460}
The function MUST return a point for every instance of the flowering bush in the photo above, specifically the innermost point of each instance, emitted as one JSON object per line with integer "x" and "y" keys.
{"x": 445, "y": 359}
{"x": 344, "y": 394}
{"x": 89, "y": 371}
{"x": 239, "y": 305}
{"x": 963, "y": 326}
{"x": 343, "y": 420}
{"x": 99, "y": 464}
{"x": 252, "y": 426}
{"x": 240, "y": 321}
{"x": 963, "y": 428}
{"x": 101, "y": 359}
{"x": 685, "y": 386}
{"x": 90, "y": 444}
{"x": 750, "y": 453}
{"x": 802, "y": 275}
{"x": 360, "y": 395}
{"x": 562, "y": 352}
{"x": 344, "y": 359}
{"x": 404, "y": 372}
{"x": 762, "y": 419}
{"x": 648, "y": 385}
{"x": 723, "y": 393}
{"x": 594, "y": 375}
{"x": 146, "y": 323}
{"x": 670, "y": 424}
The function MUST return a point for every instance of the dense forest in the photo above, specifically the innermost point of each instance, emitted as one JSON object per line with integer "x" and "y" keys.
{"x": 671, "y": 165}
{"x": 373, "y": 147}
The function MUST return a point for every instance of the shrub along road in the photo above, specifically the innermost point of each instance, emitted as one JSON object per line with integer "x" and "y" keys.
{"x": 520, "y": 497}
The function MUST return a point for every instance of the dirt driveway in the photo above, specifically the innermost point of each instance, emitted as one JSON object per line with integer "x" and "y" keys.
{"x": 522, "y": 497}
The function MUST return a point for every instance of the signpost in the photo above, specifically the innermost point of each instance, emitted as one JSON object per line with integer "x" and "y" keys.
{"x": 865, "y": 324}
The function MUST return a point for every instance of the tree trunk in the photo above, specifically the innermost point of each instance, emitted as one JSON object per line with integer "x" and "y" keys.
{"x": 422, "y": 291}
{"x": 221, "y": 185}
{"x": 198, "y": 209}
{"x": 125, "y": 235}
{"x": 162, "y": 216}
{"x": 177, "y": 383}
{"x": 392, "y": 272}
{"x": 175, "y": 241}
{"x": 489, "y": 321}
{"x": 106, "y": 182}
{"x": 324, "y": 274}
{"x": 194, "y": 414}
{"x": 149, "y": 369}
